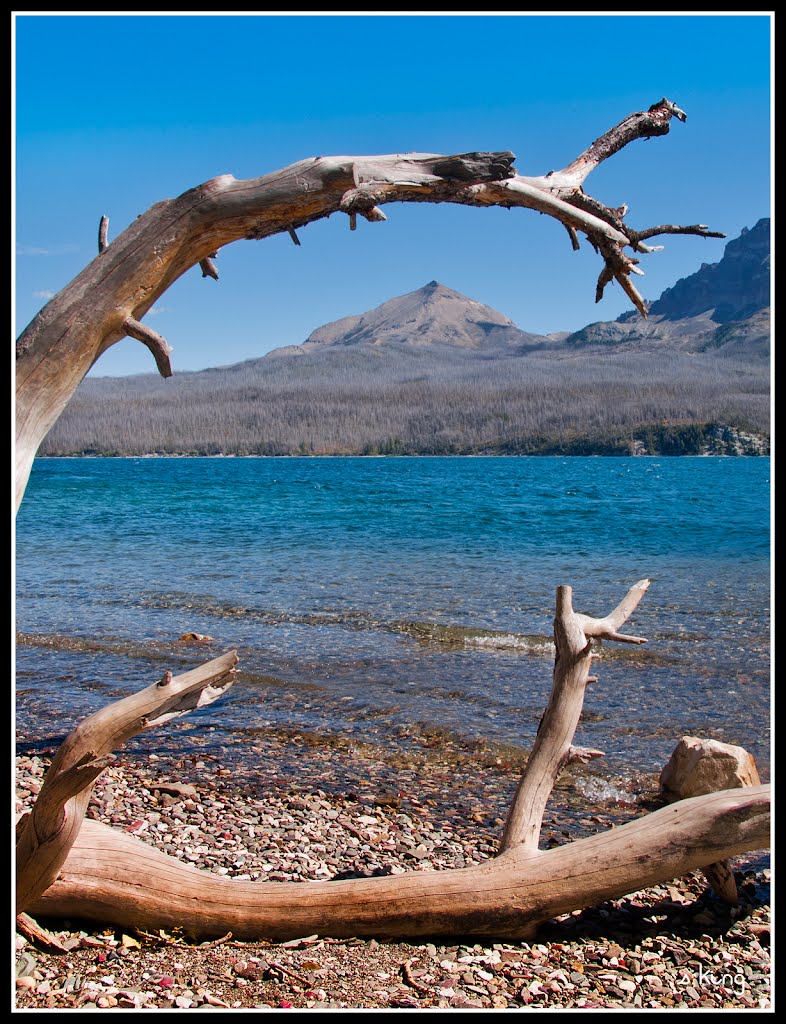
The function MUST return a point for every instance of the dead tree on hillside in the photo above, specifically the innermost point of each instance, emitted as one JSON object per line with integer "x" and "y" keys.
{"x": 69, "y": 866}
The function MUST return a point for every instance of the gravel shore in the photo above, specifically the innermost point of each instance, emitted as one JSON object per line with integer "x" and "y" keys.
{"x": 674, "y": 945}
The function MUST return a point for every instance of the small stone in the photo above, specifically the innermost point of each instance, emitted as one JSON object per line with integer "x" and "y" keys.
{"x": 25, "y": 965}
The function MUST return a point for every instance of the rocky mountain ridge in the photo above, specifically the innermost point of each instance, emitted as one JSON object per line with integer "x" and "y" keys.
{"x": 722, "y": 308}
{"x": 733, "y": 289}
{"x": 434, "y": 372}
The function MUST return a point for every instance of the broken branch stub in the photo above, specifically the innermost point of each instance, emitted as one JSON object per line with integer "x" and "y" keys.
{"x": 114, "y": 878}
{"x": 103, "y": 232}
{"x": 159, "y": 347}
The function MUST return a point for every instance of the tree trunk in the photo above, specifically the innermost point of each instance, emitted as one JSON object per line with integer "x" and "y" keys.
{"x": 114, "y": 879}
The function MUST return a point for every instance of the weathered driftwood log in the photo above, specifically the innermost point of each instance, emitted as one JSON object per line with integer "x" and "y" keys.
{"x": 109, "y": 298}
{"x": 113, "y": 878}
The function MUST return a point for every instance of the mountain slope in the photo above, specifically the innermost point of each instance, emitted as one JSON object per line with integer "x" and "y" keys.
{"x": 731, "y": 290}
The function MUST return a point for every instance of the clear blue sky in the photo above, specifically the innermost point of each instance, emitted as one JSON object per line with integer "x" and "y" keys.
{"x": 115, "y": 112}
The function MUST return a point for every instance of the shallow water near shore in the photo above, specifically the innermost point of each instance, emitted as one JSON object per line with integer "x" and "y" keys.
{"x": 399, "y": 602}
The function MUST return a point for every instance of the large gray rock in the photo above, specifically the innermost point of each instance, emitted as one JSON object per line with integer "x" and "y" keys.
{"x": 698, "y": 766}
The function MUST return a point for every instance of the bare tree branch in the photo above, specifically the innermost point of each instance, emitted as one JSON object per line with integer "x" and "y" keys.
{"x": 642, "y": 125}
{"x": 111, "y": 296}
{"x": 676, "y": 229}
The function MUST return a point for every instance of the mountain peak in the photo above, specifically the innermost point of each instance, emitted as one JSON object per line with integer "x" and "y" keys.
{"x": 438, "y": 318}
{"x": 433, "y": 315}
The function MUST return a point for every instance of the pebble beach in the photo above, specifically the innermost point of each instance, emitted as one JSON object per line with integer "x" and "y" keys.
{"x": 348, "y": 813}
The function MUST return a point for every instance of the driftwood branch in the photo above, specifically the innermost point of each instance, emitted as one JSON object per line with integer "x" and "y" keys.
{"x": 114, "y": 878}
{"x": 111, "y": 296}
{"x": 675, "y": 229}
{"x": 573, "y": 636}
{"x": 107, "y": 876}
{"x": 48, "y": 832}
{"x": 39, "y": 936}
{"x": 608, "y": 627}
{"x": 642, "y": 125}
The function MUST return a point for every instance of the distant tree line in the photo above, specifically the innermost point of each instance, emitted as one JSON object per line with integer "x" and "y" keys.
{"x": 372, "y": 402}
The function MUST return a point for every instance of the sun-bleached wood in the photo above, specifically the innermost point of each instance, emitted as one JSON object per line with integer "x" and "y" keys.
{"x": 113, "y": 878}
{"x": 104, "y": 875}
{"x": 573, "y": 637}
{"x": 108, "y": 300}
{"x": 45, "y": 835}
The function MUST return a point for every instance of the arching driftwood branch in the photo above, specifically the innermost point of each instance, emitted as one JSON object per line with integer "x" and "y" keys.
{"x": 111, "y": 877}
{"x": 129, "y": 274}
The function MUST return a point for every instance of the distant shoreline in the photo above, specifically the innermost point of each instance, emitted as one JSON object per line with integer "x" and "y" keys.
{"x": 415, "y": 455}
{"x": 660, "y": 441}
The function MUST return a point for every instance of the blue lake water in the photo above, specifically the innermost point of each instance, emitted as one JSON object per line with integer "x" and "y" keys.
{"x": 382, "y": 597}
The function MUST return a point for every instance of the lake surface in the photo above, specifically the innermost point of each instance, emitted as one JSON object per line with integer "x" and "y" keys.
{"x": 389, "y": 599}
